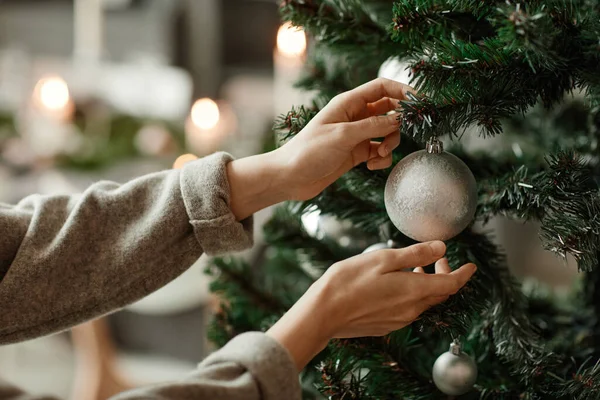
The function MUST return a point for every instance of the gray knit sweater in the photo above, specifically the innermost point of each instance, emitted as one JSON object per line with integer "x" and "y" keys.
{"x": 68, "y": 259}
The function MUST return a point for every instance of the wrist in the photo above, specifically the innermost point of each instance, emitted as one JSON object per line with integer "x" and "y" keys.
{"x": 283, "y": 176}
{"x": 255, "y": 182}
{"x": 305, "y": 329}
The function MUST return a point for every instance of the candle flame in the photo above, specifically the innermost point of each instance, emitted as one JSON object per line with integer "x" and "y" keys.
{"x": 52, "y": 93}
{"x": 205, "y": 113}
{"x": 291, "y": 40}
{"x": 183, "y": 159}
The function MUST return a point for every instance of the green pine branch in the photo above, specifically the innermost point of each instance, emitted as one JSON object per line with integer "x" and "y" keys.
{"x": 563, "y": 198}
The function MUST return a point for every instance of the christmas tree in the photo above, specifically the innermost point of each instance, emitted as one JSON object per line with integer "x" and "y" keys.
{"x": 526, "y": 71}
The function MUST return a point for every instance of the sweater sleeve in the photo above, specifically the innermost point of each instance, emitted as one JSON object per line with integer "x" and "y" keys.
{"x": 68, "y": 259}
{"x": 9, "y": 392}
{"x": 252, "y": 366}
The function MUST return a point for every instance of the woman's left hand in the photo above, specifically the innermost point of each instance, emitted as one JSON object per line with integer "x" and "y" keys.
{"x": 337, "y": 139}
{"x": 340, "y": 137}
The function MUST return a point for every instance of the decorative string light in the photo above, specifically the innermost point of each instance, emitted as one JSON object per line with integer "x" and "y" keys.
{"x": 291, "y": 41}
{"x": 208, "y": 125}
{"x": 52, "y": 93}
{"x": 205, "y": 113}
{"x": 183, "y": 159}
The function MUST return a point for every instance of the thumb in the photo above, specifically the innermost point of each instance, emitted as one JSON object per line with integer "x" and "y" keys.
{"x": 370, "y": 128}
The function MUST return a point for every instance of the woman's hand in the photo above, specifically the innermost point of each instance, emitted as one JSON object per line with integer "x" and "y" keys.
{"x": 337, "y": 139}
{"x": 368, "y": 295}
{"x": 340, "y": 137}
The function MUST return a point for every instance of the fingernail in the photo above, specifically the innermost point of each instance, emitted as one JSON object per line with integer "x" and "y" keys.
{"x": 393, "y": 119}
{"x": 438, "y": 247}
{"x": 383, "y": 150}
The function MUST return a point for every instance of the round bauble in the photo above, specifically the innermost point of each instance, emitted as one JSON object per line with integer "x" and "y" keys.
{"x": 431, "y": 194}
{"x": 454, "y": 372}
{"x": 390, "y": 244}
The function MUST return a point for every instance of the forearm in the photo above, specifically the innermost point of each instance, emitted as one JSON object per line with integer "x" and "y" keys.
{"x": 306, "y": 328}
{"x": 67, "y": 259}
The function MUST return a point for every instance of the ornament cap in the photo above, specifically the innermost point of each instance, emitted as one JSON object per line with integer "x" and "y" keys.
{"x": 455, "y": 347}
{"x": 434, "y": 145}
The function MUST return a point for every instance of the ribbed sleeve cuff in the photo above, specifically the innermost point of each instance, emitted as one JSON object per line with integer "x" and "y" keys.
{"x": 269, "y": 363}
{"x": 206, "y": 195}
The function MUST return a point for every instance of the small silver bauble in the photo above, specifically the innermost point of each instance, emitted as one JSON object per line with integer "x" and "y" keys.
{"x": 431, "y": 194}
{"x": 454, "y": 372}
{"x": 390, "y": 244}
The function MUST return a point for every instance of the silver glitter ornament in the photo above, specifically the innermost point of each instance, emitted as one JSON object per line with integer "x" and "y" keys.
{"x": 390, "y": 244}
{"x": 454, "y": 372}
{"x": 431, "y": 194}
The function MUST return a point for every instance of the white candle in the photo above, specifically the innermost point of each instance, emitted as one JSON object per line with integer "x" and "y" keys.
{"x": 88, "y": 29}
{"x": 288, "y": 60}
{"x": 208, "y": 125}
{"x": 46, "y": 125}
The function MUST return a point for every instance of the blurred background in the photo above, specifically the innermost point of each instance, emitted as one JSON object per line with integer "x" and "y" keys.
{"x": 113, "y": 89}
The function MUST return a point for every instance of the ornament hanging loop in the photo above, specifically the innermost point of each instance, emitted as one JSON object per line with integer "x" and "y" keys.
{"x": 434, "y": 145}
{"x": 455, "y": 347}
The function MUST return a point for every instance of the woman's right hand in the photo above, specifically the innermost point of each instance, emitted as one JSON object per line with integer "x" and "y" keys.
{"x": 368, "y": 295}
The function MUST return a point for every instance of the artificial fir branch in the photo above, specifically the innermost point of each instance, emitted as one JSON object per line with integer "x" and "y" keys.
{"x": 485, "y": 64}
{"x": 238, "y": 273}
{"x": 285, "y": 230}
{"x": 506, "y": 322}
{"x": 416, "y": 22}
{"x": 330, "y": 76}
{"x": 564, "y": 199}
{"x": 290, "y": 124}
{"x": 375, "y": 368}
{"x": 326, "y": 82}
{"x": 343, "y": 25}
{"x": 585, "y": 384}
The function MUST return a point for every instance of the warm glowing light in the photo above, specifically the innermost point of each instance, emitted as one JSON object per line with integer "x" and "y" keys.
{"x": 205, "y": 113}
{"x": 291, "y": 40}
{"x": 310, "y": 220}
{"x": 183, "y": 159}
{"x": 52, "y": 93}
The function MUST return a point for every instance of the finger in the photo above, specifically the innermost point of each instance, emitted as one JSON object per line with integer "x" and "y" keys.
{"x": 380, "y": 163}
{"x": 419, "y": 270}
{"x": 383, "y": 106}
{"x": 442, "y": 266}
{"x": 369, "y": 128}
{"x": 417, "y": 255}
{"x": 390, "y": 142}
{"x": 363, "y": 153}
{"x": 448, "y": 284}
{"x": 377, "y": 89}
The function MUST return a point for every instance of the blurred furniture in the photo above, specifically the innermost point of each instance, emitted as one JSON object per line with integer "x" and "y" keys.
{"x": 212, "y": 39}
{"x": 139, "y": 29}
